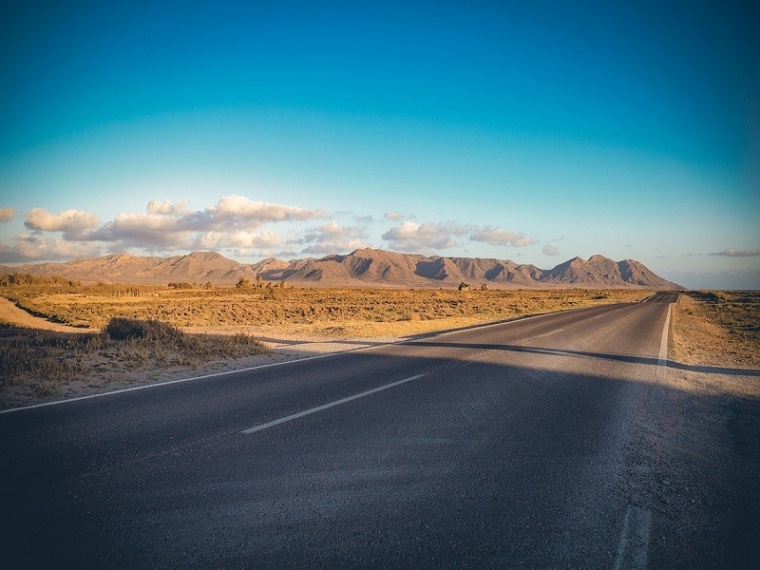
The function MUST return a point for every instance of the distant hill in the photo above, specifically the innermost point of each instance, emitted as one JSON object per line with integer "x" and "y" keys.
{"x": 364, "y": 267}
{"x": 199, "y": 267}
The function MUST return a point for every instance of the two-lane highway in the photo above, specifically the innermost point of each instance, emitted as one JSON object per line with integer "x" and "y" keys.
{"x": 501, "y": 446}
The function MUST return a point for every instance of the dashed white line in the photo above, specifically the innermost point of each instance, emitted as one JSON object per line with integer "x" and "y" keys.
{"x": 327, "y": 406}
{"x": 633, "y": 548}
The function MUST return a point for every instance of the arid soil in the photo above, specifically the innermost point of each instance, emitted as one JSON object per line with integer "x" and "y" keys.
{"x": 11, "y": 314}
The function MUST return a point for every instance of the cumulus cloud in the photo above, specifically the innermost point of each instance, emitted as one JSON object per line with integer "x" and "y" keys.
{"x": 149, "y": 231}
{"x": 334, "y": 238}
{"x": 228, "y": 223}
{"x": 233, "y": 222}
{"x": 239, "y": 209}
{"x": 498, "y": 237}
{"x": 247, "y": 240}
{"x": 737, "y": 253}
{"x": 413, "y": 237}
{"x": 71, "y": 221}
{"x": 31, "y": 248}
{"x": 6, "y": 214}
{"x": 239, "y": 241}
{"x": 393, "y": 216}
{"x": 168, "y": 208}
{"x": 550, "y": 250}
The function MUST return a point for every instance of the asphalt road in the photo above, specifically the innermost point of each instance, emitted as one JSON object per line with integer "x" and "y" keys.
{"x": 516, "y": 445}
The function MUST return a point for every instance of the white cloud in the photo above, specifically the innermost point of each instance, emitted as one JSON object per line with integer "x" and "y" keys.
{"x": 413, "y": 237}
{"x": 71, "y": 221}
{"x": 239, "y": 209}
{"x": 32, "y": 248}
{"x": 149, "y": 231}
{"x": 550, "y": 250}
{"x": 241, "y": 241}
{"x": 247, "y": 240}
{"x": 393, "y": 216}
{"x": 498, "y": 237}
{"x": 168, "y": 208}
{"x": 737, "y": 253}
{"x": 6, "y": 214}
{"x": 230, "y": 223}
{"x": 334, "y": 238}
{"x": 209, "y": 240}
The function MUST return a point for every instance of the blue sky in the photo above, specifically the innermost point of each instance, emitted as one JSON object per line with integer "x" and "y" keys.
{"x": 531, "y": 131}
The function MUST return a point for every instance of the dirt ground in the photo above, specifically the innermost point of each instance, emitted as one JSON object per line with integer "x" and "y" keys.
{"x": 11, "y": 314}
{"x": 713, "y": 353}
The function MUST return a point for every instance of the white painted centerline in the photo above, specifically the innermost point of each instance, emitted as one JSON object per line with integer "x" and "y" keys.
{"x": 330, "y": 405}
{"x": 633, "y": 548}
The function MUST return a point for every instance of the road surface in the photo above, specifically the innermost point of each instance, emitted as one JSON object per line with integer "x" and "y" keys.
{"x": 526, "y": 444}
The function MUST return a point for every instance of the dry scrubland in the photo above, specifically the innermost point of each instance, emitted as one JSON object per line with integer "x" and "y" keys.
{"x": 717, "y": 328}
{"x": 286, "y": 312}
{"x": 136, "y": 334}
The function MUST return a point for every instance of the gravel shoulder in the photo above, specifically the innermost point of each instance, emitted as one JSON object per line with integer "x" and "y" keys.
{"x": 694, "y": 450}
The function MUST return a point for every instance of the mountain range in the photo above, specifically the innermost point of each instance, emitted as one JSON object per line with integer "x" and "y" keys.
{"x": 363, "y": 267}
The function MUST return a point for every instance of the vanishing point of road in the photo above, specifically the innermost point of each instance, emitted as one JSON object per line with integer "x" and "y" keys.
{"x": 524, "y": 444}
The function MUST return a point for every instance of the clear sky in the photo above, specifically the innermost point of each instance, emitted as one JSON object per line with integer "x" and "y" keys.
{"x": 532, "y": 131}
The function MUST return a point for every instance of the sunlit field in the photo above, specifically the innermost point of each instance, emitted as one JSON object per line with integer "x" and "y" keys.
{"x": 285, "y": 312}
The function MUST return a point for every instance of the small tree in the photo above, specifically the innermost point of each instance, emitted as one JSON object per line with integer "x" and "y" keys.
{"x": 464, "y": 286}
{"x": 244, "y": 283}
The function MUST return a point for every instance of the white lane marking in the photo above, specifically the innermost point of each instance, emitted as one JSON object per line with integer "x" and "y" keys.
{"x": 327, "y": 406}
{"x": 633, "y": 548}
{"x": 527, "y": 341}
{"x": 662, "y": 356}
{"x": 181, "y": 380}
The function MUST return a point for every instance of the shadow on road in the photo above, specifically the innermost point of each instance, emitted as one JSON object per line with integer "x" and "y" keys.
{"x": 598, "y": 355}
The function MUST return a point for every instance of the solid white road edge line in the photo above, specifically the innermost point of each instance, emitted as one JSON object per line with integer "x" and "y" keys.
{"x": 662, "y": 357}
{"x": 327, "y": 406}
{"x": 178, "y": 381}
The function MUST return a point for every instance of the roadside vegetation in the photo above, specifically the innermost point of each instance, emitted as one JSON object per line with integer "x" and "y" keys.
{"x": 36, "y": 363}
{"x": 285, "y": 311}
{"x": 718, "y": 328}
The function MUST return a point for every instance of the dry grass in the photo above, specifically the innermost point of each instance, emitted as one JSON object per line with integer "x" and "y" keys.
{"x": 718, "y": 328}
{"x": 321, "y": 312}
{"x": 45, "y": 363}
